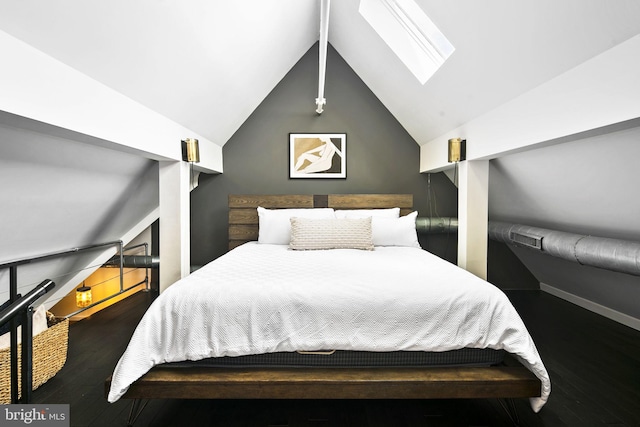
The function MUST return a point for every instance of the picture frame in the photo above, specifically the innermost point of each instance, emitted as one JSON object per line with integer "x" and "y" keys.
{"x": 317, "y": 155}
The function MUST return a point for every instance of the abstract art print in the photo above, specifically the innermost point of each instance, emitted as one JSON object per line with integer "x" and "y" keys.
{"x": 317, "y": 155}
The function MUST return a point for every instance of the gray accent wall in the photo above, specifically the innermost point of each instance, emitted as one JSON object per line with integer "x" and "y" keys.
{"x": 381, "y": 156}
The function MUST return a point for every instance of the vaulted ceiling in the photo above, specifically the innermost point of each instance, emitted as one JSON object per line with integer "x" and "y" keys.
{"x": 207, "y": 64}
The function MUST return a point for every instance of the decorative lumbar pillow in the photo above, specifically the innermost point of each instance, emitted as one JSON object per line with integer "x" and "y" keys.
{"x": 395, "y": 231}
{"x": 344, "y": 233}
{"x": 363, "y": 213}
{"x": 274, "y": 225}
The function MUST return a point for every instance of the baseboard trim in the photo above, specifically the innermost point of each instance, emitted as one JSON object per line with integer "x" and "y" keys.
{"x": 607, "y": 312}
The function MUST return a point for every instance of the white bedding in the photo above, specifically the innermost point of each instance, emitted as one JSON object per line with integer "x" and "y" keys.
{"x": 262, "y": 298}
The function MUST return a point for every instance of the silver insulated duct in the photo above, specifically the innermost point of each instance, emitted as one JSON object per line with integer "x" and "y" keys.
{"x": 612, "y": 254}
{"x": 429, "y": 225}
{"x": 134, "y": 261}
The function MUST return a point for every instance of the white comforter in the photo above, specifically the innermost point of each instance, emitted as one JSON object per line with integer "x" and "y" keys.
{"x": 265, "y": 298}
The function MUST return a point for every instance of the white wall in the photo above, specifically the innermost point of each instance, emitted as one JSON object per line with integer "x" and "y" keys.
{"x": 59, "y": 194}
{"x": 587, "y": 186}
{"x": 565, "y": 156}
{"x": 75, "y": 163}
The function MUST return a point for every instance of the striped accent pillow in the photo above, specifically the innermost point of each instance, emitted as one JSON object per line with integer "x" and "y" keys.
{"x": 333, "y": 233}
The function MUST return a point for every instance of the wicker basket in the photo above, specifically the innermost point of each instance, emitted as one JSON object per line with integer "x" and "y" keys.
{"x": 49, "y": 356}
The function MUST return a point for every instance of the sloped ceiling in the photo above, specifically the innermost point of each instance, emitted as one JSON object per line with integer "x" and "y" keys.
{"x": 585, "y": 187}
{"x": 60, "y": 194}
{"x": 208, "y": 64}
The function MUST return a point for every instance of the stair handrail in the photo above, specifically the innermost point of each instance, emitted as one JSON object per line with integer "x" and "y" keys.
{"x": 20, "y": 305}
{"x": 29, "y": 259}
{"x": 14, "y": 297}
{"x": 14, "y": 264}
{"x": 23, "y": 302}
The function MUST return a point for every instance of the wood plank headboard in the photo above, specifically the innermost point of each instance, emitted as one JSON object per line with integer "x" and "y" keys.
{"x": 243, "y": 216}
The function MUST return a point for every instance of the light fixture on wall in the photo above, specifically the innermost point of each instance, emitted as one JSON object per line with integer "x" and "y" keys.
{"x": 190, "y": 150}
{"x": 457, "y": 150}
{"x": 83, "y": 296}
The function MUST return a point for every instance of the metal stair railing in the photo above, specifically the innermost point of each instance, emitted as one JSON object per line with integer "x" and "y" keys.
{"x": 21, "y": 309}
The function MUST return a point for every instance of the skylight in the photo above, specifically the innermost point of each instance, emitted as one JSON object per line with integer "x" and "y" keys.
{"x": 409, "y": 33}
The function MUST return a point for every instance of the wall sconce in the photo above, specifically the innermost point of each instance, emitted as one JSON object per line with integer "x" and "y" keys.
{"x": 83, "y": 296}
{"x": 457, "y": 150}
{"x": 190, "y": 150}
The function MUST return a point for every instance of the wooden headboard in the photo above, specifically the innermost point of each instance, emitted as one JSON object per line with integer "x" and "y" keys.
{"x": 243, "y": 216}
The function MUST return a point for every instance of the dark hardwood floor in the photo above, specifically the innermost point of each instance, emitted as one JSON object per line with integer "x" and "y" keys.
{"x": 594, "y": 364}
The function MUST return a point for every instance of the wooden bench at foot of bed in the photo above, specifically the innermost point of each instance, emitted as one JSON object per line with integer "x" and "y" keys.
{"x": 335, "y": 383}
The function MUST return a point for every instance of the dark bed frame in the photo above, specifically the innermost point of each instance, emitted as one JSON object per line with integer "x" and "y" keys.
{"x": 505, "y": 382}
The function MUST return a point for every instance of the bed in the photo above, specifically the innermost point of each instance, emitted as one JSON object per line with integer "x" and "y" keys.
{"x": 371, "y": 292}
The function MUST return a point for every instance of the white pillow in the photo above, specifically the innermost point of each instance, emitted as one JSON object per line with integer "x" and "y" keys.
{"x": 395, "y": 231}
{"x": 275, "y": 225}
{"x": 364, "y": 213}
{"x": 331, "y": 233}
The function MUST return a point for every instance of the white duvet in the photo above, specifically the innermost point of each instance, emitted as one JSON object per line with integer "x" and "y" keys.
{"x": 261, "y": 298}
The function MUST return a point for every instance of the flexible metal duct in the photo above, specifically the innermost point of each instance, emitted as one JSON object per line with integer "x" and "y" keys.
{"x": 612, "y": 254}
{"x": 134, "y": 261}
{"x": 428, "y": 225}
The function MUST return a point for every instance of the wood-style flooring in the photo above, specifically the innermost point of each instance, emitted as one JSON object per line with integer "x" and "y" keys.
{"x": 594, "y": 364}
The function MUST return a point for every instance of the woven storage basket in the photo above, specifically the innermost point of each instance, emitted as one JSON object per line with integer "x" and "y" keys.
{"x": 49, "y": 356}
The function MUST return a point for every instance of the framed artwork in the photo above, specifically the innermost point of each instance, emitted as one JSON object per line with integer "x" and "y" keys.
{"x": 317, "y": 155}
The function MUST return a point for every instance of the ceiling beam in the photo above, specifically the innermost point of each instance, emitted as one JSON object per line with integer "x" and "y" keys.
{"x": 43, "y": 94}
{"x": 322, "y": 63}
{"x": 598, "y": 94}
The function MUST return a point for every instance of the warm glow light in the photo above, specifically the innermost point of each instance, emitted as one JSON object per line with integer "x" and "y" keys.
{"x": 457, "y": 150}
{"x": 83, "y": 296}
{"x": 190, "y": 150}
